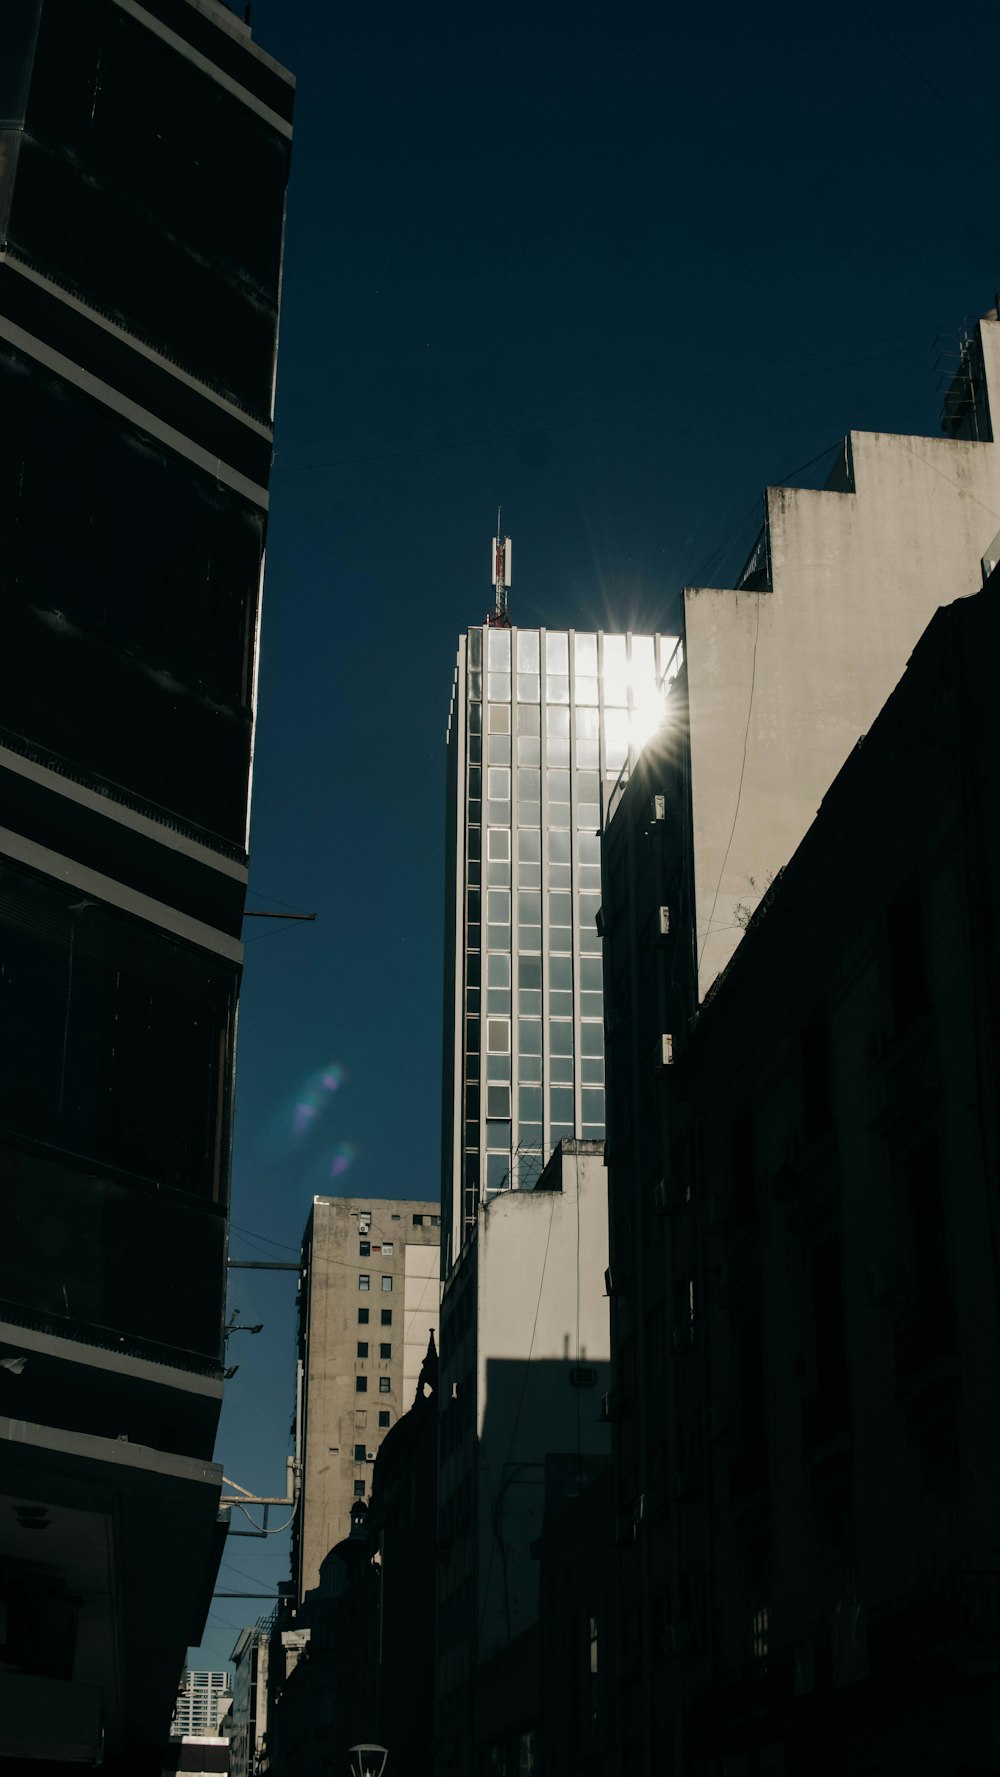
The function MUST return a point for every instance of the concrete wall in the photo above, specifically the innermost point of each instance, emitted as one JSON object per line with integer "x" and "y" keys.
{"x": 783, "y": 682}
{"x": 336, "y": 1418}
{"x": 542, "y": 1313}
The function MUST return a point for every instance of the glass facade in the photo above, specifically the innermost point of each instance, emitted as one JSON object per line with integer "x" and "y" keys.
{"x": 542, "y": 724}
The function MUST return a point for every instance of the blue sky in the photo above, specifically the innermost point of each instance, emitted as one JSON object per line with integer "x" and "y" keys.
{"x": 616, "y": 269}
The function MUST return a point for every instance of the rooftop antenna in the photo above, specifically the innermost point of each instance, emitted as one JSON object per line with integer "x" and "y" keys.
{"x": 499, "y": 617}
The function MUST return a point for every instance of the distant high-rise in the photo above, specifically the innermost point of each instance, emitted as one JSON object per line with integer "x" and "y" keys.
{"x": 368, "y": 1306}
{"x": 203, "y": 1700}
{"x": 541, "y": 724}
{"x": 144, "y": 151}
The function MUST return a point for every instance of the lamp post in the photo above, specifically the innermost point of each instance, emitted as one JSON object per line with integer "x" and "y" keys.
{"x": 368, "y": 1760}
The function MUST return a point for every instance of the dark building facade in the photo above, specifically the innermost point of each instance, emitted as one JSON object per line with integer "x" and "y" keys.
{"x": 808, "y": 1465}
{"x": 143, "y": 162}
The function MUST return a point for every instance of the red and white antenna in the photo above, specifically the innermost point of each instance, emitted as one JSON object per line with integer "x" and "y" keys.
{"x": 499, "y": 617}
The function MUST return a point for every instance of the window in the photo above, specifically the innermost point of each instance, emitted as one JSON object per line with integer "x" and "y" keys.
{"x": 383, "y": 1418}
{"x": 385, "y": 1351}
{"x": 435, "y": 1221}
{"x": 359, "y": 1490}
{"x": 364, "y": 1281}
{"x": 359, "y": 1453}
{"x": 418, "y": 1221}
{"x": 386, "y": 1317}
{"x": 365, "y": 1248}
{"x": 362, "y": 1317}
{"x": 384, "y": 1385}
{"x": 362, "y": 1348}
{"x": 361, "y": 1385}
{"x": 387, "y": 1283}
{"x": 387, "y": 1249}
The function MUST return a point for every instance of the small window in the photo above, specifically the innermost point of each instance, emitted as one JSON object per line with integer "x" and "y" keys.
{"x": 361, "y": 1385}
{"x": 384, "y": 1385}
{"x": 366, "y": 1248}
{"x": 387, "y": 1249}
{"x": 418, "y": 1221}
{"x": 364, "y": 1281}
{"x": 435, "y": 1221}
{"x": 385, "y": 1351}
{"x": 359, "y": 1453}
{"x": 362, "y": 1348}
{"x": 362, "y": 1317}
{"x": 383, "y": 1418}
{"x": 387, "y": 1317}
{"x": 376, "y": 1248}
{"x": 360, "y": 1418}
{"x": 387, "y": 1283}
{"x": 359, "y": 1490}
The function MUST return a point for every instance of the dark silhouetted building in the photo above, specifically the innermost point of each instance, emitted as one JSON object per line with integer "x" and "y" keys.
{"x": 812, "y": 1583}
{"x": 144, "y": 153}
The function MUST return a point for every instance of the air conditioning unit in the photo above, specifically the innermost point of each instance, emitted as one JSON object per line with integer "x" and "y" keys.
{"x": 369, "y": 1456}
{"x": 663, "y": 921}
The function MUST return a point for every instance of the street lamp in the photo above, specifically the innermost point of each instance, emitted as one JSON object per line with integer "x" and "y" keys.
{"x": 368, "y": 1760}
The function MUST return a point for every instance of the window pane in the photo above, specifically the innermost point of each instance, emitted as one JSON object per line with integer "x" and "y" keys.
{"x": 387, "y": 1284}
{"x": 529, "y": 749}
{"x": 557, "y": 652}
{"x": 561, "y": 1104}
{"x": 362, "y": 1348}
{"x": 557, "y": 688}
{"x": 499, "y": 718}
{"x": 527, "y": 650}
{"x": 561, "y": 1037}
{"x": 585, "y": 653}
{"x": 498, "y": 685}
{"x": 498, "y": 969}
{"x": 498, "y": 1101}
{"x": 383, "y": 1418}
{"x": 498, "y": 650}
{"x": 556, "y": 721}
{"x": 364, "y": 1281}
{"x": 498, "y": 843}
{"x": 528, "y": 688}
{"x": 361, "y": 1385}
{"x": 384, "y": 1385}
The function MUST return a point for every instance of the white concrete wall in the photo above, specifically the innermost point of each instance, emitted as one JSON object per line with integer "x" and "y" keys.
{"x": 542, "y": 1310}
{"x": 783, "y": 683}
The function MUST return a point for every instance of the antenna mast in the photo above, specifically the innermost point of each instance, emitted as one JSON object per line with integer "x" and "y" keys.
{"x": 499, "y": 617}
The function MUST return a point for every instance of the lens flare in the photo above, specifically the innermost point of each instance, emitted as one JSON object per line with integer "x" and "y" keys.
{"x": 314, "y": 1096}
{"x": 343, "y": 1159}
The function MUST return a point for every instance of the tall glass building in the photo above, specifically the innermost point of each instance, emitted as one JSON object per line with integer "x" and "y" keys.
{"x": 541, "y": 724}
